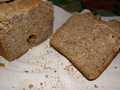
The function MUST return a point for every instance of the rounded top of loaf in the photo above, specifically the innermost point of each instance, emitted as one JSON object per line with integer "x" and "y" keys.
{"x": 11, "y": 8}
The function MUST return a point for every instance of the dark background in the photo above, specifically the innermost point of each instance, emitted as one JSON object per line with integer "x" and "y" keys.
{"x": 101, "y": 7}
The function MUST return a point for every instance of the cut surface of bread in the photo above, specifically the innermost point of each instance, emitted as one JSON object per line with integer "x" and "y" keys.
{"x": 114, "y": 24}
{"x": 24, "y": 24}
{"x": 88, "y": 43}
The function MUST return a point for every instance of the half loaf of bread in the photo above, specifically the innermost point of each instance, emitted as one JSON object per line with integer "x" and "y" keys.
{"x": 23, "y": 24}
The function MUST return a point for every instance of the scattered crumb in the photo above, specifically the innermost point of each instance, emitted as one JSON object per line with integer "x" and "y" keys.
{"x": 116, "y": 67}
{"x": 96, "y": 86}
{"x": 2, "y": 65}
{"x": 46, "y": 76}
{"x": 37, "y": 62}
{"x": 55, "y": 71}
{"x": 62, "y": 64}
{"x": 48, "y": 52}
{"x": 41, "y": 83}
{"x": 87, "y": 87}
{"x": 31, "y": 86}
{"x": 26, "y": 71}
{"x": 53, "y": 86}
{"x": 13, "y": 87}
{"x": 32, "y": 70}
{"x": 69, "y": 68}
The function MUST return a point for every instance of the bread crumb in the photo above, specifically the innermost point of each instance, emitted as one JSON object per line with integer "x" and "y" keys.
{"x": 13, "y": 87}
{"x": 26, "y": 71}
{"x": 41, "y": 83}
{"x": 69, "y": 68}
{"x": 2, "y": 65}
{"x": 46, "y": 76}
{"x": 31, "y": 86}
{"x": 55, "y": 71}
{"x": 95, "y": 86}
{"x": 116, "y": 67}
{"x": 53, "y": 86}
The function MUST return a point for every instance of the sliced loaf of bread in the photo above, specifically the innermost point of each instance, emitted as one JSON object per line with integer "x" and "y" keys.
{"x": 23, "y": 24}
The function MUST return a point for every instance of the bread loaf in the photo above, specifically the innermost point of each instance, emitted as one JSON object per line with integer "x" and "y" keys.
{"x": 89, "y": 44}
{"x": 23, "y": 24}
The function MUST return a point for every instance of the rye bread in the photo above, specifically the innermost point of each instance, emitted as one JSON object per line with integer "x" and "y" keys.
{"x": 89, "y": 43}
{"x": 24, "y": 24}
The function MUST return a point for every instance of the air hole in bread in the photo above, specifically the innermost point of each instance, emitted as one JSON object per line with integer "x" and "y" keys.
{"x": 32, "y": 39}
{"x": 1, "y": 29}
{"x": 113, "y": 36}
